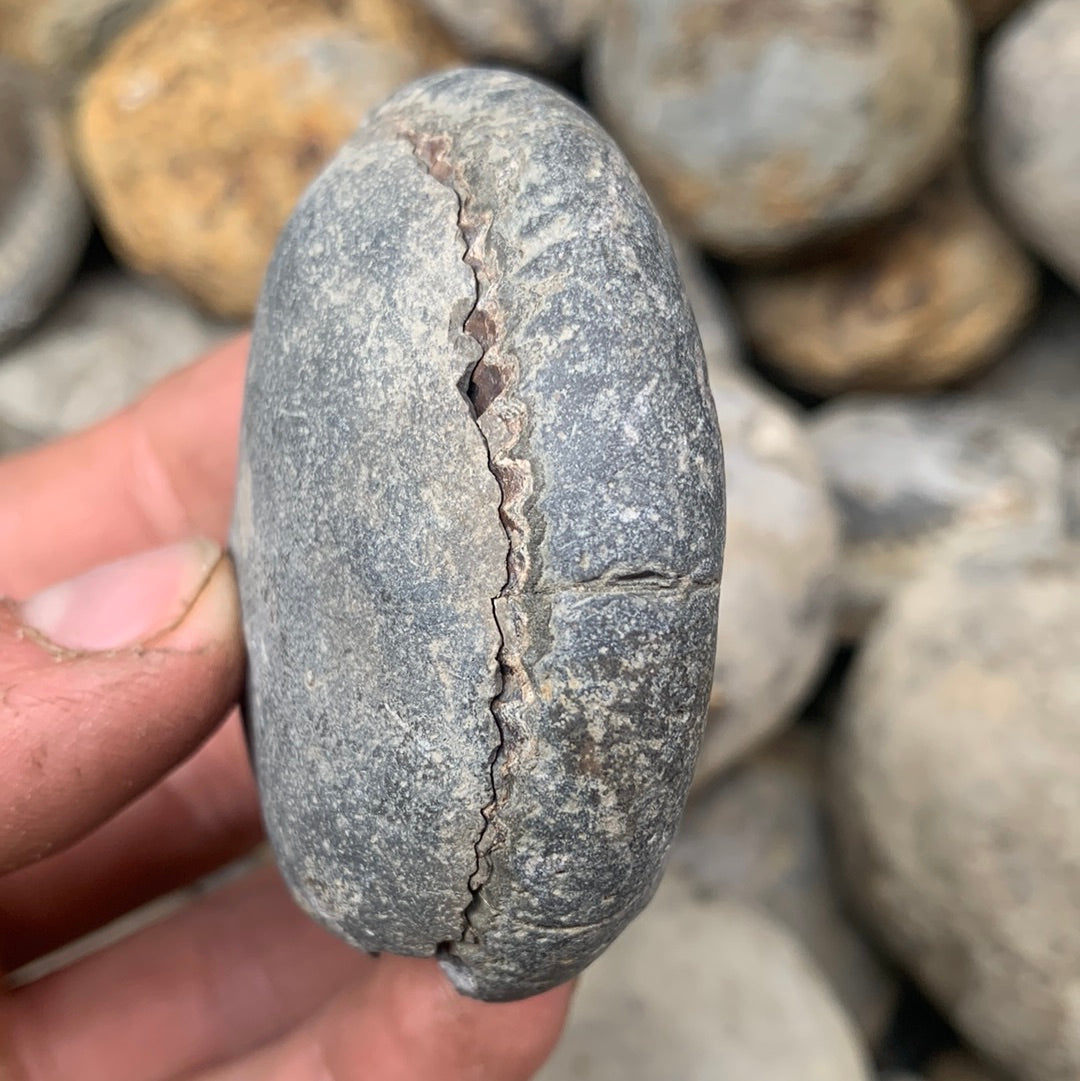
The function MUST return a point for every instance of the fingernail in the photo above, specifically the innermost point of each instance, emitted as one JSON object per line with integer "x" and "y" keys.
{"x": 126, "y": 602}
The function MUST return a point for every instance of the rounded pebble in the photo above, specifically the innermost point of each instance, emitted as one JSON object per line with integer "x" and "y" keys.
{"x": 758, "y": 835}
{"x": 479, "y": 531}
{"x": 778, "y": 604}
{"x": 930, "y": 299}
{"x": 109, "y": 340}
{"x": 763, "y": 125}
{"x": 699, "y": 989}
{"x": 910, "y": 476}
{"x": 1028, "y": 131}
{"x": 957, "y": 792}
{"x": 207, "y": 119}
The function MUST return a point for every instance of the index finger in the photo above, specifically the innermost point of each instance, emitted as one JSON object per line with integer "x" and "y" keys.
{"x": 157, "y": 472}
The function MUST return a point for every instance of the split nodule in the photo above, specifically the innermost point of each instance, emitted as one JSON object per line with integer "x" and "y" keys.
{"x": 479, "y": 532}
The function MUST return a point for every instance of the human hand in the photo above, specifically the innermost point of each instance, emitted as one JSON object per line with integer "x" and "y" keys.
{"x": 115, "y": 788}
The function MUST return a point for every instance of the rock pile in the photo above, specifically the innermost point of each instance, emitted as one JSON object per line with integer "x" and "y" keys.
{"x": 885, "y": 268}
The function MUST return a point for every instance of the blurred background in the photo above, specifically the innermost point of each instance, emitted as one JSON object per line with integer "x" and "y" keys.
{"x": 876, "y": 206}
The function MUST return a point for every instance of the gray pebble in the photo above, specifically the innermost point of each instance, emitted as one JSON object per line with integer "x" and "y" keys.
{"x": 759, "y": 835}
{"x": 109, "y": 340}
{"x": 778, "y": 604}
{"x": 44, "y": 225}
{"x": 912, "y": 475}
{"x": 765, "y": 124}
{"x": 1029, "y": 135}
{"x": 479, "y": 530}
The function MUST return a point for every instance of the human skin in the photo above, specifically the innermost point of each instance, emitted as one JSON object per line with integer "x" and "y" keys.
{"x": 119, "y": 783}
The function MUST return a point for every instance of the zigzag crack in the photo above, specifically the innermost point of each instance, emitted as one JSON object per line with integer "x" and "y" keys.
{"x": 484, "y": 385}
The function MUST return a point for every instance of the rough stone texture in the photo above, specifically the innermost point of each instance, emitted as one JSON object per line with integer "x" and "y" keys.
{"x": 957, "y": 787}
{"x": 764, "y": 124}
{"x": 110, "y": 339}
{"x": 779, "y": 596}
{"x": 759, "y": 836}
{"x": 986, "y": 14}
{"x": 701, "y": 989}
{"x": 208, "y": 118}
{"x": 479, "y": 531}
{"x": 1029, "y": 135}
{"x": 927, "y": 300}
{"x": 43, "y": 220}
{"x": 536, "y": 33}
{"x": 1037, "y": 382}
{"x": 911, "y": 476}
{"x": 63, "y": 38}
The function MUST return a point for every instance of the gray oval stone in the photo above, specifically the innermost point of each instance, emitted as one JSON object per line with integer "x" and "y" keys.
{"x": 479, "y": 531}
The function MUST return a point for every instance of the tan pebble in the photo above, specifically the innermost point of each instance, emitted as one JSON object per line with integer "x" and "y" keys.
{"x": 208, "y": 118}
{"x": 923, "y": 303}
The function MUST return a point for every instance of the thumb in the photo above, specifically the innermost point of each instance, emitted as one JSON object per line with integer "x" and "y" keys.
{"x": 108, "y": 681}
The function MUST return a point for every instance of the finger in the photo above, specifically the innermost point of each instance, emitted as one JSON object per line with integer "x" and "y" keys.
{"x": 216, "y": 979}
{"x": 202, "y": 816}
{"x": 406, "y": 1023}
{"x": 107, "y": 682}
{"x": 155, "y": 473}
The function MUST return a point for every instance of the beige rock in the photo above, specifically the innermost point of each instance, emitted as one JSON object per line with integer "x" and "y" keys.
{"x": 535, "y": 33}
{"x": 697, "y": 990}
{"x": 777, "y": 602}
{"x": 207, "y": 119}
{"x": 758, "y": 835}
{"x": 763, "y": 125}
{"x": 957, "y": 789}
{"x": 911, "y": 477}
{"x": 109, "y": 340}
{"x": 923, "y": 303}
